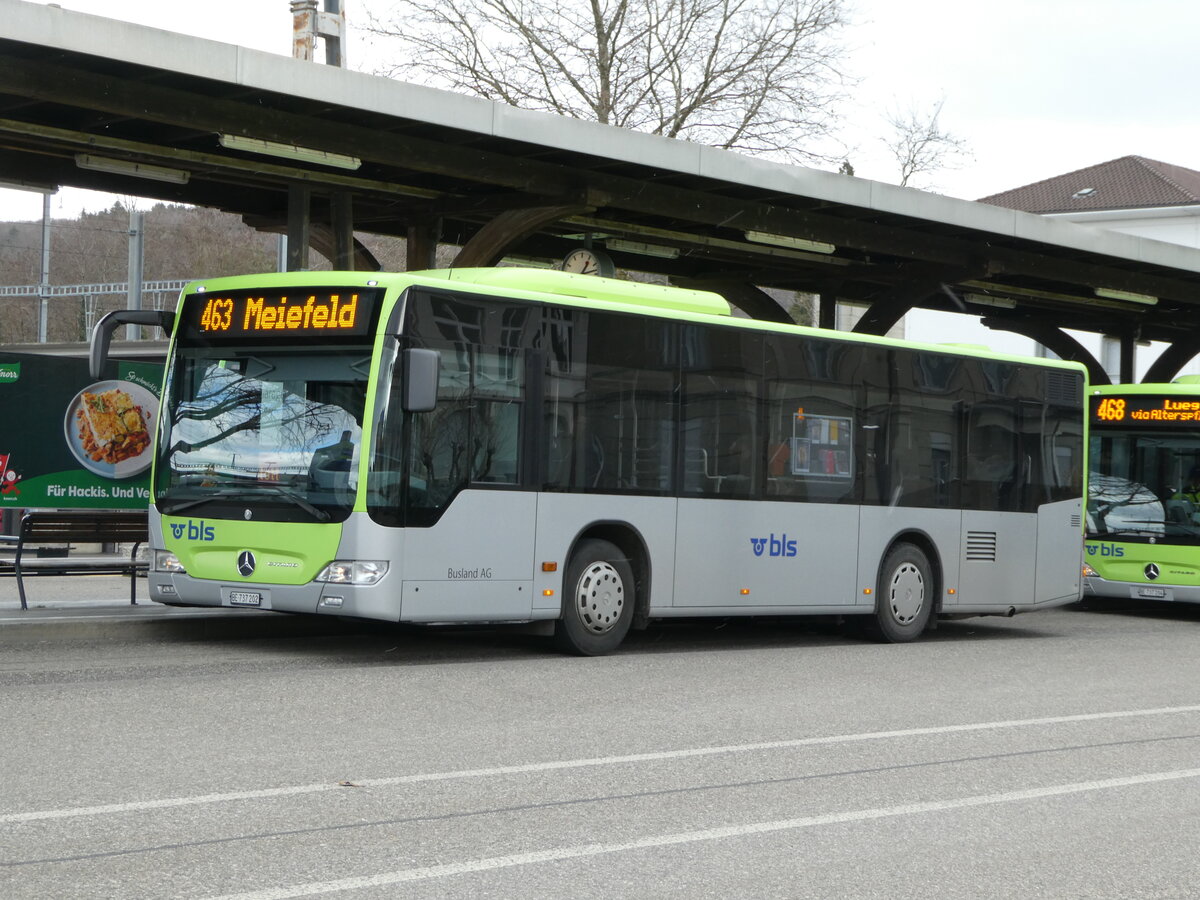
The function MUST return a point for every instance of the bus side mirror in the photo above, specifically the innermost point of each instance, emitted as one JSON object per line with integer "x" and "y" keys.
{"x": 102, "y": 333}
{"x": 420, "y": 379}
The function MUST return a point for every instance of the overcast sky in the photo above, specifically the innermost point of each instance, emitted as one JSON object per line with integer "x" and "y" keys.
{"x": 1037, "y": 88}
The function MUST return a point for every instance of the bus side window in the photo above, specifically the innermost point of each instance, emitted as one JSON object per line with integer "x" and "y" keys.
{"x": 994, "y": 465}
{"x": 559, "y": 450}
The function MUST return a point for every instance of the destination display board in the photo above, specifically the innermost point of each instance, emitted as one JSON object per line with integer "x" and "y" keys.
{"x": 282, "y": 314}
{"x": 1144, "y": 409}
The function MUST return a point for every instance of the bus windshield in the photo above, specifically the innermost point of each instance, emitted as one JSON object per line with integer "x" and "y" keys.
{"x": 1144, "y": 485}
{"x": 273, "y": 430}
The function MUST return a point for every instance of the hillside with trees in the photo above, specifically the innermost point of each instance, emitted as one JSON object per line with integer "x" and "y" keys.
{"x": 181, "y": 242}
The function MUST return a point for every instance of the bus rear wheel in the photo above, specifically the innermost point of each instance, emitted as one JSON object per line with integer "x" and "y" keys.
{"x": 904, "y": 596}
{"x": 598, "y": 600}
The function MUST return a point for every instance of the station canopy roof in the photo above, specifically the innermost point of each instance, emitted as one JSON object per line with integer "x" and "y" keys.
{"x": 96, "y": 103}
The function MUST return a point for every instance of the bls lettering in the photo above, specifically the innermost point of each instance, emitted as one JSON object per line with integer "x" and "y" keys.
{"x": 1105, "y": 550}
{"x": 195, "y": 531}
{"x": 773, "y": 546}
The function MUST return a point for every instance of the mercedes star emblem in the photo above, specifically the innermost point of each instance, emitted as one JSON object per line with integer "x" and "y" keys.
{"x": 245, "y": 563}
{"x": 1151, "y": 571}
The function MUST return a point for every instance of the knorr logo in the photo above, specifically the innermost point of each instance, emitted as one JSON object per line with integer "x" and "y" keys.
{"x": 9, "y": 372}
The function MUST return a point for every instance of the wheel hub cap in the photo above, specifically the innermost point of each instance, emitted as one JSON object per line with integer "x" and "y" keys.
{"x": 600, "y": 597}
{"x": 907, "y": 593}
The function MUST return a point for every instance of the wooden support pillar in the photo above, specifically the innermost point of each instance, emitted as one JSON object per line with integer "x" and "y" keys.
{"x": 882, "y": 315}
{"x": 753, "y": 301}
{"x": 886, "y": 311}
{"x": 1054, "y": 339}
{"x": 1171, "y": 360}
{"x": 299, "y": 223}
{"x": 422, "y": 245}
{"x": 341, "y": 207}
{"x": 1128, "y": 357}
{"x": 827, "y": 311}
{"x": 489, "y": 244}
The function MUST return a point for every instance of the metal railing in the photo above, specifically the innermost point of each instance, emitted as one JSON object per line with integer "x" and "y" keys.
{"x": 160, "y": 293}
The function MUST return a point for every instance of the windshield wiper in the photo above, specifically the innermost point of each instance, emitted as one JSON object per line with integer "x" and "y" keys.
{"x": 319, "y": 514}
{"x": 1129, "y": 532}
{"x": 224, "y": 494}
{"x": 181, "y": 505}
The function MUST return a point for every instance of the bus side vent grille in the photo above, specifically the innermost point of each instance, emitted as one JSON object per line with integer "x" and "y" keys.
{"x": 1076, "y": 520}
{"x": 1063, "y": 387}
{"x": 981, "y": 546}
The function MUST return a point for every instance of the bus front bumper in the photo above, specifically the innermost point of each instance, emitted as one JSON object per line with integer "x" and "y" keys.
{"x": 1095, "y": 586}
{"x": 314, "y": 597}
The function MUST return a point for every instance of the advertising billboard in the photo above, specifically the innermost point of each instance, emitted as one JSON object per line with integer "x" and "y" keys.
{"x": 69, "y": 441}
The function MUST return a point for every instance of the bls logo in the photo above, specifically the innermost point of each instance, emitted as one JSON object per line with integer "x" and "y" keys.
{"x": 1105, "y": 550}
{"x": 773, "y": 546}
{"x": 195, "y": 531}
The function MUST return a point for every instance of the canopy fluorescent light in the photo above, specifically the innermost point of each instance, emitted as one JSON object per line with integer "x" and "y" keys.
{"x": 1114, "y": 294}
{"x": 642, "y": 248}
{"x": 289, "y": 151}
{"x": 783, "y": 240}
{"x": 129, "y": 167}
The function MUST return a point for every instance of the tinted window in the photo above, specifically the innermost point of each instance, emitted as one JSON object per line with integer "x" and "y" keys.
{"x": 609, "y": 411}
{"x": 812, "y": 419}
{"x": 474, "y": 435}
{"x": 722, "y": 450}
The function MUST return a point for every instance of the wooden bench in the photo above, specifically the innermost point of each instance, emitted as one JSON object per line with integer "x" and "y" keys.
{"x": 62, "y": 529}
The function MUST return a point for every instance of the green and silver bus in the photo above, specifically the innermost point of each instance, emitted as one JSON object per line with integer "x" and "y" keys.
{"x": 1143, "y": 512}
{"x": 586, "y": 454}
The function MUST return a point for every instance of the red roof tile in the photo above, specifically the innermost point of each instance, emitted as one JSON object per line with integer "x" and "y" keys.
{"x": 1131, "y": 182}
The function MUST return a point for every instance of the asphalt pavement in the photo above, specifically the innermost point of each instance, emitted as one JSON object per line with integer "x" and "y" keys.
{"x": 1050, "y": 755}
{"x": 83, "y": 607}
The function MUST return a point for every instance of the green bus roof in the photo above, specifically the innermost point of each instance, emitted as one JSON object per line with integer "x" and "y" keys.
{"x": 1184, "y": 388}
{"x": 590, "y": 291}
{"x": 589, "y": 287}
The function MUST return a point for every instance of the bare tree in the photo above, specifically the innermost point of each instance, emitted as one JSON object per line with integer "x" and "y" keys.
{"x": 919, "y": 144}
{"x": 754, "y": 75}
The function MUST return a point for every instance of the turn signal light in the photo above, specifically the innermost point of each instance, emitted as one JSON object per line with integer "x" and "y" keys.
{"x": 166, "y": 561}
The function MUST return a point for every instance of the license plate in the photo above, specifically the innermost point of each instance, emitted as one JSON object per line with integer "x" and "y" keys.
{"x": 1155, "y": 593}
{"x": 244, "y": 598}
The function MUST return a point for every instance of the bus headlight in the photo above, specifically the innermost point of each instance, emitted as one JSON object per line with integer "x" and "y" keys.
{"x": 353, "y": 571}
{"x": 1088, "y": 571}
{"x": 166, "y": 561}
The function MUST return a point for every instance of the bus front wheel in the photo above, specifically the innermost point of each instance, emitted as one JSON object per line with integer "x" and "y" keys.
{"x": 904, "y": 598}
{"x": 598, "y": 600}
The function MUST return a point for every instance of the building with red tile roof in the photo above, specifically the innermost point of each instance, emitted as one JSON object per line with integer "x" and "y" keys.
{"x": 1131, "y": 182}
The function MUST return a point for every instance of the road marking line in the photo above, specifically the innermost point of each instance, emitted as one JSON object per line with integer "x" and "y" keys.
{"x": 559, "y": 854}
{"x": 176, "y": 802}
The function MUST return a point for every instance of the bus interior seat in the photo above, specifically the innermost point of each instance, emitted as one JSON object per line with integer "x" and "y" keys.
{"x": 559, "y": 450}
{"x": 1179, "y": 511}
{"x": 595, "y": 461}
{"x": 695, "y": 468}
